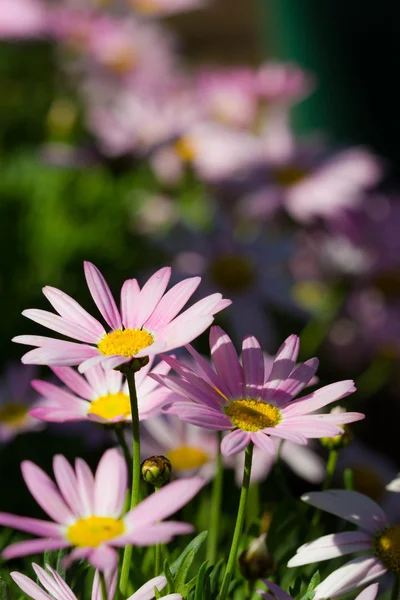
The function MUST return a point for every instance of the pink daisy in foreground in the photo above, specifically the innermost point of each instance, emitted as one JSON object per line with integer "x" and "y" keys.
{"x": 147, "y": 324}
{"x": 100, "y": 395}
{"x": 239, "y": 396}
{"x": 277, "y": 593}
{"x": 379, "y": 542}
{"x": 88, "y": 511}
{"x": 58, "y": 589}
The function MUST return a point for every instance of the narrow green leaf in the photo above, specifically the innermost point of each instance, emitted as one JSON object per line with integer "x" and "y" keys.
{"x": 181, "y": 574}
{"x": 194, "y": 545}
{"x": 200, "y": 581}
{"x": 5, "y": 590}
{"x": 170, "y": 578}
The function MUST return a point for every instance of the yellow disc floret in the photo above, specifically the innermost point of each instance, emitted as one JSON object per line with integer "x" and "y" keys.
{"x": 252, "y": 415}
{"x": 93, "y": 531}
{"x": 125, "y": 342}
{"x": 187, "y": 457}
{"x": 111, "y": 406}
{"x": 13, "y": 415}
{"x": 387, "y": 548}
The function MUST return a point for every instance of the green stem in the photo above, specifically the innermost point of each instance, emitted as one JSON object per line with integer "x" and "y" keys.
{"x": 157, "y": 549}
{"x": 103, "y": 586}
{"x": 216, "y": 499}
{"x": 126, "y": 563}
{"x": 239, "y": 523}
{"x": 119, "y": 432}
{"x": 330, "y": 468}
{"x": 396, "y": 589}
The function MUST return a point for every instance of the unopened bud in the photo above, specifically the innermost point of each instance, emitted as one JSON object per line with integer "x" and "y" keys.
{"x": 156, "y": 470}
{"x": 256, "y": 561}
{"x": 341, "y": 440}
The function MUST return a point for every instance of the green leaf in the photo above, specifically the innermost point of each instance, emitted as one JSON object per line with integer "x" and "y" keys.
{"x": 170, "y": 578}
{"x": 5, "y": 591}
{"x": 193, "y": 546}
{"x": 310, "y": 593}
{"x": 200, "y": 582}
{"x": 181, "y": 574}
{"x": 215, "y": 577}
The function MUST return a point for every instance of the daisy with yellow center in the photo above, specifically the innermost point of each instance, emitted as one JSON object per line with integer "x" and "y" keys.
{"x": 147, "y": 323}
{"x": 99, "y": 395}
{"x": 378, "y": 542}
{"x": 252, "y": 399}
{"x": 88, "y": 511}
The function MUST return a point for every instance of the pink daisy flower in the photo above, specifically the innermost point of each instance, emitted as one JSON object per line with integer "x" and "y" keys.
{"x": 379, "y": 542}
{"x": 277, "y": 593}
{"x": 147, "y": 324}
{"x": 100, "y": 395}
{"x": 88, "y": 510}
{"x": 240, "y": 397}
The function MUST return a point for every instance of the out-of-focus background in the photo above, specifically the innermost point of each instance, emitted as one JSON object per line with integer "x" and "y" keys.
{"x": 253, "y": 143}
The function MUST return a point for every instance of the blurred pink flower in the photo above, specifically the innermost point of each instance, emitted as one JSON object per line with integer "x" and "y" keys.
{"x": 161, "y": 8}
{"x": 149, "y": 323}
{"x": 375, "y": 538}
{"x": 21, "y": 19}
{"x": 16, "y": 398}
{"x": 88, "y": 511}
{"x": 283, "y": 83}
{"x": 252, "y": 405}
{"x": 101, "y": 396}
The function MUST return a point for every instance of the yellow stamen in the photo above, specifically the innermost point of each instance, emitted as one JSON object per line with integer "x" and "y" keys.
{"x": 121, "y": 62}
{"x": 387, "y": 548}
{"x": 111, "y": 406}
{"x": 233, "y": 272}
{"x": 368, "y": 482}
{"x": 252, "y": 415}
{"x": 93, "y": 531}
{"x": 185, "y": 149}
{"x": 289, "y": 175}
{"x": 125, "y": 342}
{"x": 13, "y": 415}
{"x": 187, "y": 457}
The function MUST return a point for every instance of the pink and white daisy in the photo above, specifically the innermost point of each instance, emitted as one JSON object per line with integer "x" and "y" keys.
{"x": 88, "y": 510}
{"x": 277, "y": 593}
{"x": 240, "y": 397}
{"x": 379, "y": 542}
{"x": 147, "y": 324}
{"x": 100, "y": 395}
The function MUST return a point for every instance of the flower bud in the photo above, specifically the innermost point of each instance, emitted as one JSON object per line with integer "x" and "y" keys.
{"x": 256, "y": 561}
{"x": 342, "y": 439}
{"x": 156, "y": 470}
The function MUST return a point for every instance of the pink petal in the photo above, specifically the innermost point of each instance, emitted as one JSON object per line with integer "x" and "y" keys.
{"x": 351, "y": 506}
{"x": 53, "y": 583}
{"x": 129, "y": 296}
{"x": 29, "y": 587}
{"x": 91, "y": 362}
{"x": 226, "y": 361}
{"x": 319, "y": 398}
{"x": 67, "y": 483}
{"x": 74, "y": 381}
{"x": 235, "y": 442}
{"x": 353, "y": 574}
{"x": 159, "y": 533}
{"x": 280, "y": 431}
{"x": 209, "y": 374}
{"x": 369, "y": 593}
{"x": 146, "y": 592}
{"x": 110, "y": 485}
{"x": 263, "y": 441}
{"x": 164, "y": 503}
{"x": 85, "y": 481}
{"x": 34, "y": 547}
{"x": 55, "y": 393}
{"x": 151, "y": 294}
{"x": 69, "y": 308}
{"x": 199, "y": 415}
{"x": 253, "y": 366}
{"x": 186, "y": 389}
{"x": 277, "y": 591}
{"x": 283, "y": 365}
{"x": 298, "y": 379}
{"x": 59, "y": 353}
{"x": 102, "y": 296}
{"x": 35, "y": 526}
{"x": 104, "y": 557}
{"x": 303, "y": 461}
{"x": 45, "y": 493}
{"x": 181, "y": 331}
{"x": 111, "y": 579}
{"x": 172, "y": 302}
{"x": 310, "y": 428}
{"x": 331, "y": 546}
{"x": 61, "y": 325}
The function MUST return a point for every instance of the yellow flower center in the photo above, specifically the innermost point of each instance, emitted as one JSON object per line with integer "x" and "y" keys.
{"x": 252, "y": 415}
{"x": 13, "y": 415}
{"x": 125, "y": 342}
{"x": 146, "y": 7}
{"x": 185, "y": 149}
{"x": 233, "y": 272}
{"x": 187, "y": 457}
{"x": 111, "y": 406}
{"x": 387, "y": 548}
{"x": 93, "y": 531}
{"x": 121, "y": 62}
{"x": 287, "y": 176}
{"x": 368, "y": 482}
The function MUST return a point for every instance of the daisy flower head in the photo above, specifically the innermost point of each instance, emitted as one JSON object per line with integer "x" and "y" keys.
{"x": 87, "y": 511}
{"x": 277, "y": 593}
{"x": 148, "y": 322}
{"x": 375, "y": 538}
{"x": 239, "y": 397}
{"x": 16, "y": 398}
{"x": 99, "y": 395}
